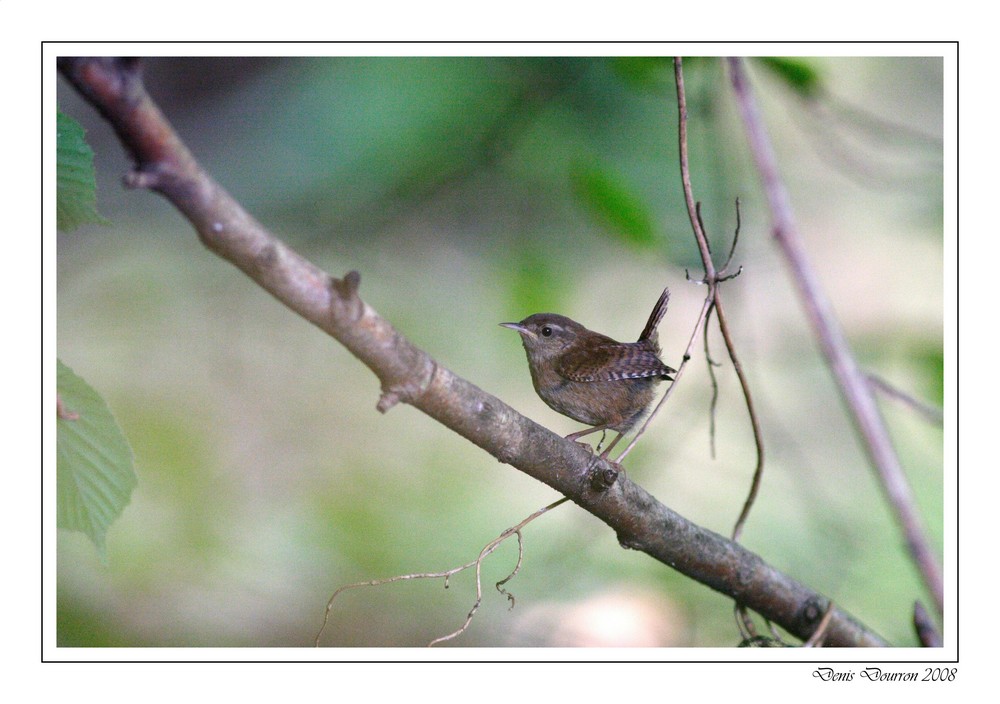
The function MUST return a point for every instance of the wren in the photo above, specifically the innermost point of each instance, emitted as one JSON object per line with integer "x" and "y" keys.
{"x": 591, "y": 378}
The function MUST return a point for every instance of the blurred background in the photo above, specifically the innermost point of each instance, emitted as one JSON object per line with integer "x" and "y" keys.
{"x": 467, "y": 192}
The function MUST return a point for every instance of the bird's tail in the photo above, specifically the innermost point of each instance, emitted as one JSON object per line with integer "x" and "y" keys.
{"x": 659, "y": 310}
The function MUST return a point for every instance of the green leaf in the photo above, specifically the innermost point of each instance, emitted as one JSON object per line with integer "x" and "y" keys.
{"x": 614, "y": 203}
{"x": 799, "y": 74}
{"x": 76, "y": 187}
{"x": 94, "y": 475}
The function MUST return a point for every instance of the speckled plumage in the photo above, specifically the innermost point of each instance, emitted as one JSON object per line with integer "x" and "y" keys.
{"x": 590, "y": 377}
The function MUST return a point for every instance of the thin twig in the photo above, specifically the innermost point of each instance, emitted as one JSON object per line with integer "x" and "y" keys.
{"x": 479, "y": 585}
{"x": 758, "y": 436}
{"x": 698, "y": 327}
{"x": 852, "y": 382}
{"x": 817, "y": 638}
{"x": 490, "y": 547}
{"x": 713, "y": 380}
{"x": 745, "y": 624}
{"x": 692, "y": 207}
{"x": 736, "y": 239}
{"x": 713, "y": 278}
{"x": 447, "y": 574}
{"x": 933, "y": 414}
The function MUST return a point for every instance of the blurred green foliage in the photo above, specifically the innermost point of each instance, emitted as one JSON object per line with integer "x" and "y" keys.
{"x": 614, "y": 204}
{"x": 801, "y": 75}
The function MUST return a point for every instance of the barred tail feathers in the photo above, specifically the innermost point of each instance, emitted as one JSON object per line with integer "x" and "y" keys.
{"x": 659, "y": 310}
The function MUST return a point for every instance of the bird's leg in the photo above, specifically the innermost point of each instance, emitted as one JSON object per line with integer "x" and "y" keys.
{"x": 604, "y": 455}
{"x": 587, "y": 431}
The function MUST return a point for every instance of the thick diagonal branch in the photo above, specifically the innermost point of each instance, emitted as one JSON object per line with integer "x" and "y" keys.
{"x": 408, "y": 374}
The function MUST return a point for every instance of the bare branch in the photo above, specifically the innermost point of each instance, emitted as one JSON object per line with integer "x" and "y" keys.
{"x": 933, "y": 414}
{"x": 851, "y": 380}
{"x": 713, "y": 299}
{"x": 927, "y": 633}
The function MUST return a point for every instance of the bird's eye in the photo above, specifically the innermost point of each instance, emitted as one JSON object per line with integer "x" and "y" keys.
{"x": 546, "y": 331}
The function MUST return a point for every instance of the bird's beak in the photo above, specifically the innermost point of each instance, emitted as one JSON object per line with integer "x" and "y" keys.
{"x": 516, "y": 326}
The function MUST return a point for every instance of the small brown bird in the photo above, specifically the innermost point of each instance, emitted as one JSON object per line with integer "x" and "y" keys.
{"x": 590, "y": 377}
